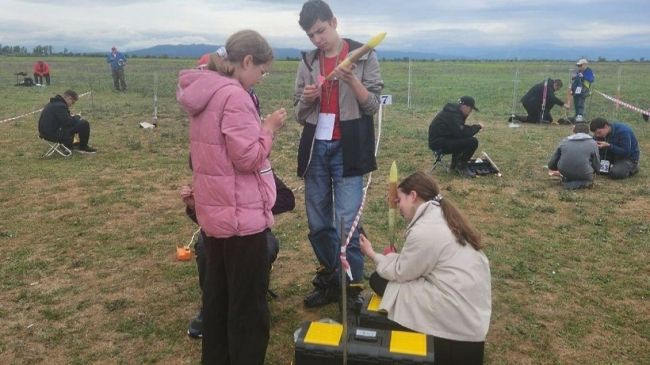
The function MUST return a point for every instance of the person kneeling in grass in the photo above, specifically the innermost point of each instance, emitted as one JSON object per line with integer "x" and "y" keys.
{"x": 576, "y": 158}
{"x": 439, "y": 284}
{"x": 618, "y": 145}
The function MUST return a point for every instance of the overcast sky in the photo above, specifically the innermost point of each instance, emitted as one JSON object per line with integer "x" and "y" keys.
{"x": 412, "y": 25}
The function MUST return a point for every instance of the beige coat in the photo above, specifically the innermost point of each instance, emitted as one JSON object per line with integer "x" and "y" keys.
{"x": 436, "y": 286}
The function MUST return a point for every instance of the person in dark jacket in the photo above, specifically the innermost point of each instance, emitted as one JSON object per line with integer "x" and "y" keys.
{"x": 618, "y": 145}
{"x": 284, "y": 202}
{"x": 576, "y": 158}
{"x": 539, "y": 101}
{"x": 56, "y": 124}
{"x": 448, "y": 133}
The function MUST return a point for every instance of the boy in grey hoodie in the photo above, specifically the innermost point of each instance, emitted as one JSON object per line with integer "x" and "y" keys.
{"x": 576, "y": 158}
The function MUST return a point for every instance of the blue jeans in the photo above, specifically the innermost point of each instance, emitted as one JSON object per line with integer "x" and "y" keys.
{"x": 328, "y": 197}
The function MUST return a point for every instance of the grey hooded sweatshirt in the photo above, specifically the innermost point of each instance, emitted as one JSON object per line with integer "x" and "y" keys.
{"x": 576, "y": 158}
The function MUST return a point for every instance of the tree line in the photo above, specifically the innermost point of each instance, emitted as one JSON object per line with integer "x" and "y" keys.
{"x": 39, "y": 50}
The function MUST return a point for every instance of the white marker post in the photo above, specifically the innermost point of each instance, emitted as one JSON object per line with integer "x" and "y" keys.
{"x": 154, "y": 118}
{"x": 383, "y": 100}
{"x": 515, "y": 82}
{"x": 618, "y": 88}
{"x": 408, "y": 95}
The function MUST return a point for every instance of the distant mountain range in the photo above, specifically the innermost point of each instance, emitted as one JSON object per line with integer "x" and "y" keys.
{"x": 540, "y": 52}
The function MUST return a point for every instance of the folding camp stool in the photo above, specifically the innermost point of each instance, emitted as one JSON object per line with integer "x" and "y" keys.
{"x": 439, "y": 157}
{"x": 56, "y": 147}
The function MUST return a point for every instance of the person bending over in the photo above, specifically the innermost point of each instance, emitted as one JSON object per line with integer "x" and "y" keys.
{"x": 540, "y": 96}
{"x": 618, "y": 145}
{"x": 448, "y": 133}
{"x": 576, "y": 158}
{"x": 439, "y": 284}
{"x": 57, "y": 124}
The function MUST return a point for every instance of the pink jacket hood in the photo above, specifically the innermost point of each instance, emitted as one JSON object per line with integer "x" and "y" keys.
{"x": 196, "y": 88}
{"x": 233, "y": 182}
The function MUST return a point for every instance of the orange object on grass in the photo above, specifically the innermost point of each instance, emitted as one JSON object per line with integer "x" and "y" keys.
{"x": 183, "y": 253}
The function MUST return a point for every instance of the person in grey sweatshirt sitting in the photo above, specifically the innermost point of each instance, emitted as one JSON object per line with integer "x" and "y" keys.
{"x": 576, "y": 158}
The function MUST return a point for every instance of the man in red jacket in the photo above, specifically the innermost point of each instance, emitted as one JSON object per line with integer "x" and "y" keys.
{"x": 41, "y": 69}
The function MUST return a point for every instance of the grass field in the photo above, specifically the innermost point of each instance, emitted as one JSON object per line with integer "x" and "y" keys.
{"x": 87, "y": 270}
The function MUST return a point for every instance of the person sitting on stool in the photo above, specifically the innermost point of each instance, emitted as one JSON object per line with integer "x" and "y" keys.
{"x": 56, "y": 124}
{"x": 448, "y": 133}
{"x": 41, "y": 69}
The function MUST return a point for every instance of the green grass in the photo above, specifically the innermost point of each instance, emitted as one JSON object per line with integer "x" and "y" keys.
{"x": 88, "y": 273}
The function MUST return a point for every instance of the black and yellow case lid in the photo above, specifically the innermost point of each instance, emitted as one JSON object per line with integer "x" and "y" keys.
{"x": 409, "y": 343}
{"x": 327, "y": 334}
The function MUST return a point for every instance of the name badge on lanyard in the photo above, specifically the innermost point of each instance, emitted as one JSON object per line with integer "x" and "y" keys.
{"x": 325, "y": 126}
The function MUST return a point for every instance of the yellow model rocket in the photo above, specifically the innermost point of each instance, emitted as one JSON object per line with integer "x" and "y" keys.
{"x": 392, "y": 201}
{"x": 355, "y": 55}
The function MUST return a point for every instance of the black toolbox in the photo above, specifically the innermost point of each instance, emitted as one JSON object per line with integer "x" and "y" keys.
{"x": 371, "y": 317}
{"x": 321, "y": 344}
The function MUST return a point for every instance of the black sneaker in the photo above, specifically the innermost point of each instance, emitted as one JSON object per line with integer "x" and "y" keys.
{"x": 464, "y": 171}
{"x": 86, "y": 149}
{"x": 320, "y": 297}
{"x": 195, "y": 329}
{"x": 354, "y": 302}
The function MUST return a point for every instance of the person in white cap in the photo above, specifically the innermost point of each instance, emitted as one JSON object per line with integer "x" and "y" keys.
{"x": 580, "y": 86}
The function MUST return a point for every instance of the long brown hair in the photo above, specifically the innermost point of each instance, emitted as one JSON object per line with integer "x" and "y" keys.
{"x": 427, "y": 189}
{"x": 239, "y": 45}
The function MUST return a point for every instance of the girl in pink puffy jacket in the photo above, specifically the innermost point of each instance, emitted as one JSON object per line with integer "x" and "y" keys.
{"x": 234, "y": 192}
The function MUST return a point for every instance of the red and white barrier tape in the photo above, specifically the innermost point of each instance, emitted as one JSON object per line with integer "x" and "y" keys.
{"x": 620, "y": 102}
{"x": 20, "y": 116}
{"x": 357, "y": 218}
{"x": 34, "y": 112}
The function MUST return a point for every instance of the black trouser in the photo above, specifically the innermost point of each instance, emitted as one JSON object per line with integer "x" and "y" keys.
{"x": 39, "y": 79}
{"x": 451, "y": 352}
{"x": 447, "y": 352}
{"x": 461, "y": 149}
{"x": 623, "y": 168}
{"x": 199, "y": 250}
{"x": 534, "y": 114}
{"x": 82, "y": 128}
{"x": 236, "y": 315}
{"x": 118, "y": 80}
{"x": 377, "y": 284}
